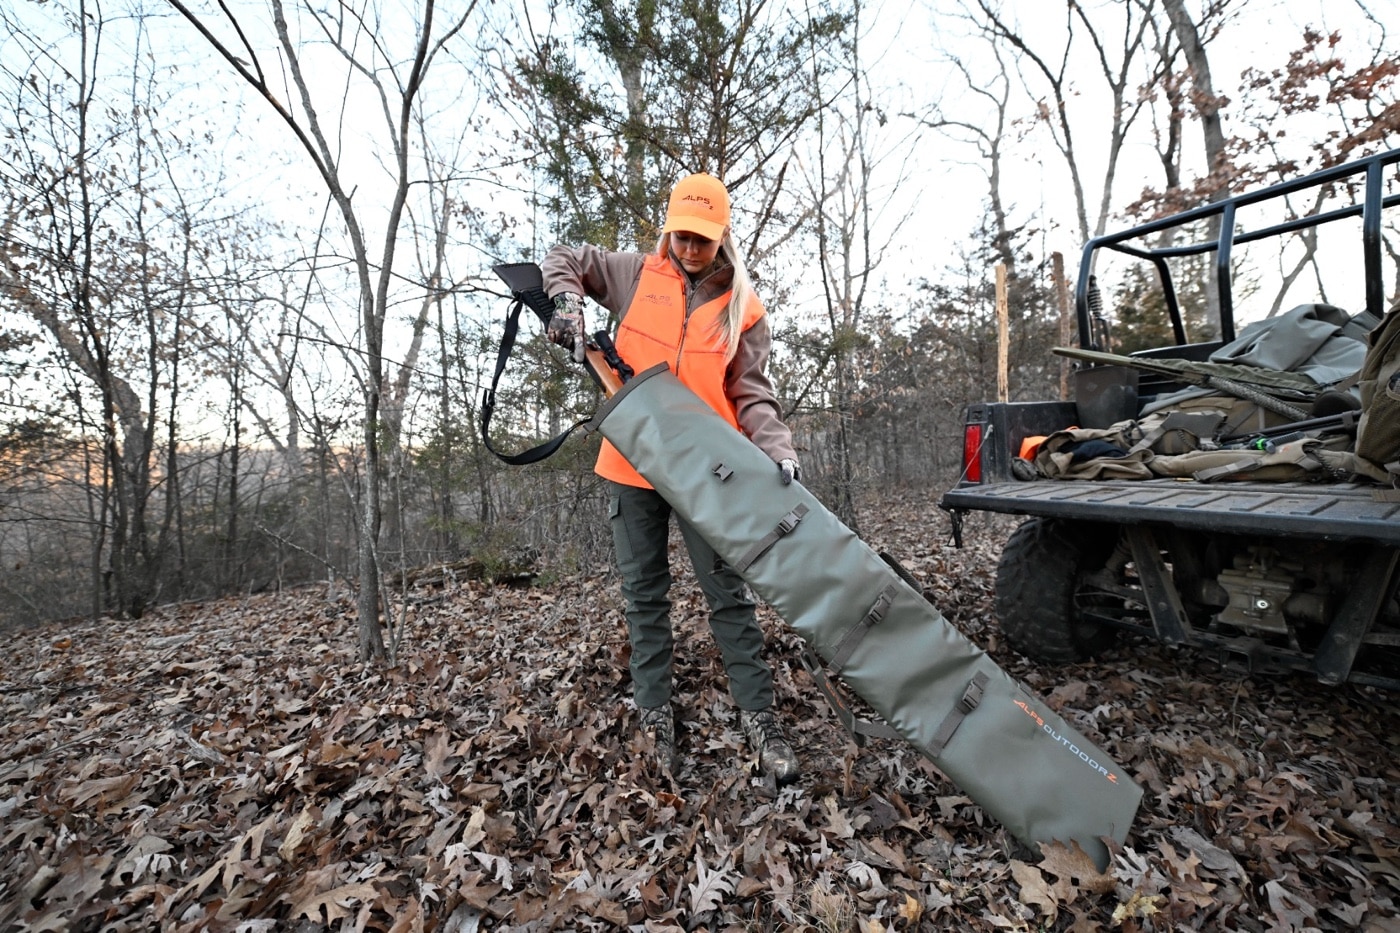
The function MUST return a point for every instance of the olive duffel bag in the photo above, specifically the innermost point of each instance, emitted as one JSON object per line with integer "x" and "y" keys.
{"x": 1003, "y": 746}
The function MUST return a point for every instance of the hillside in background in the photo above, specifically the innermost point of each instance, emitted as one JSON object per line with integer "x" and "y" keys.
{"x": 229, "y": 765}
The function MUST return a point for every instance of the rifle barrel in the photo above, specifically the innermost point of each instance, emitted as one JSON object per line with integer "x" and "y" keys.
{"x": 1344, "y": 419}
{"x": 1257, "y": 396}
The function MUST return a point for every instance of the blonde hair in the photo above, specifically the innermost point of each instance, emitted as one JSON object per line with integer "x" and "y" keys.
{"x": 728, "y": 325}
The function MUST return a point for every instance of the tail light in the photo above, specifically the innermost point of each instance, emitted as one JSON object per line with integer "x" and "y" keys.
{"x": 972, "y": 453}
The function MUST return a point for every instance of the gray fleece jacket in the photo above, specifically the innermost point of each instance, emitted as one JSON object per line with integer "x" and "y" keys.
{"x": 610, "y": 279}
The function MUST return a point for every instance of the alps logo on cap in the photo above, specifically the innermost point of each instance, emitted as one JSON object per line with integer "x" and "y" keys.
{"x": 700, "y": 199}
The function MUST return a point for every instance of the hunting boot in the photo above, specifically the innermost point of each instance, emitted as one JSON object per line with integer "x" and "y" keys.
{"x": 766, "y": 739}
{"x": 659, "y": 725}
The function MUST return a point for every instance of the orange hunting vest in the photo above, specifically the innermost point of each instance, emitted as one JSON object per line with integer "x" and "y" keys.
{"x": 656, "y": 329}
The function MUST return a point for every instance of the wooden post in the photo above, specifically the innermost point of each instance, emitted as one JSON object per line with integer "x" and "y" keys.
{"x": 1003, "y": 337}
{"x": 1057, "y": 267}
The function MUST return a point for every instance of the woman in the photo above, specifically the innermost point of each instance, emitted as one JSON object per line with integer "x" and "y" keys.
{"x": 690, "y": 304}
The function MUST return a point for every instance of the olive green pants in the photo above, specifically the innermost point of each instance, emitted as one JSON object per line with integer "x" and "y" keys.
{"x": 640, "y": 521}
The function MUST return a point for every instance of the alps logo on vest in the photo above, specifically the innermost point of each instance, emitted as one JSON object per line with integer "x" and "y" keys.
{"x": 658, "y": 299}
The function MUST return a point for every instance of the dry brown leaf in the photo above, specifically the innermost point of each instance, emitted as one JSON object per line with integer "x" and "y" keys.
{"x": 1138, "y": 905}
{"x": 837, "y": 821}
{"x": 335, "y": 904}
{"x": 710, "y": 887}
{"x": 146, "y": 856}
{"x": 1072, "y": 865}
{"x": 1036, "y": 890}
{"x": 102, "y": 790}
{"x": 911, "y": 910}
{"x": 435, "y": 754}
{"x": 296, "y": 833}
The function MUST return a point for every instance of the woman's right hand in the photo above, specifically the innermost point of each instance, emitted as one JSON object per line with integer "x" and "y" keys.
{"x": 566, "y": 327}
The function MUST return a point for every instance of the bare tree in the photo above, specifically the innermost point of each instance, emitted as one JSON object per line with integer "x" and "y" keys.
{"x": 1208, "y": 106}
{"x": 1348, "y": 109}
{"x": 397, "y": 88}
{"x": 1051, "y": 67}
{"x": 432, "y": 241}
{"x": 987, "y": 138}
{"x": 855, "y": 225}
{"x": 97, "y": 259}
{"x": 1208, "y": 102}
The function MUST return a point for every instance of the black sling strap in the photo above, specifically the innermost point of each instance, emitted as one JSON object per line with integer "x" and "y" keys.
{"x": 522, "y": 279}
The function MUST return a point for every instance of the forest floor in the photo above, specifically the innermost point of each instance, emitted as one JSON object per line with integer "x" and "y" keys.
{"x": 231, "y": 765}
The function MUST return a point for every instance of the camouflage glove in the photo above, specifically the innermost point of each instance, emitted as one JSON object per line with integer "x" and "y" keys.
{"x": 790, "y": 470}
{"x": 566, "y": 327}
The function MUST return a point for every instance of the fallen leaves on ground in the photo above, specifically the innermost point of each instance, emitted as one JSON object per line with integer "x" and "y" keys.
{"x": 231, "y": 766}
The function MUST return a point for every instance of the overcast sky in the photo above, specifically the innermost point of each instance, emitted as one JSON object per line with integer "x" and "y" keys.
{"x": 943, "y": 190}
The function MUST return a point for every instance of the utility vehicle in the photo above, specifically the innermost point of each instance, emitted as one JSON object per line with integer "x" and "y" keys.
{"x": 1268, "y": 576}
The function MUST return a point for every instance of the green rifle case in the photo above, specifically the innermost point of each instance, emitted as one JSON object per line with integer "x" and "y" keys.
{"x": 1008, "y": 751}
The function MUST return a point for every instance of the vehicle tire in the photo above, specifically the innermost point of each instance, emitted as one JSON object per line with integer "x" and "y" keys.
{"x": 1040, "y": 586}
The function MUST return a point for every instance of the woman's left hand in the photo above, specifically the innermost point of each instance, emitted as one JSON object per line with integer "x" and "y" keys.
{"x": 566, "y": 327}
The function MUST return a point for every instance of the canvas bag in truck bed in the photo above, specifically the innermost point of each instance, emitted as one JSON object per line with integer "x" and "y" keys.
{"x": 1378, "y": 435}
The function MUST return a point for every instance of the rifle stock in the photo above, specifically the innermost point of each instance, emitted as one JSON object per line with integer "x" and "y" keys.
{"x": 526, "y": 285}
{"x": 597, "y": 365}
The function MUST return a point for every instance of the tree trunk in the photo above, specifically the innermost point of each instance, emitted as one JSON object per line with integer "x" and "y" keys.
{"x": 1208, "y": 105}
{"x": 374, "y": 280}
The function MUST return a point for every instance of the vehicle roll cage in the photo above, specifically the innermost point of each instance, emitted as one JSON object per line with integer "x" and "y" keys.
{"x": 1373, "y": 203}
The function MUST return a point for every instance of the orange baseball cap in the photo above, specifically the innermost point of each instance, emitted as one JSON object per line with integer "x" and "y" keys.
{"x": 699, "y": 204}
